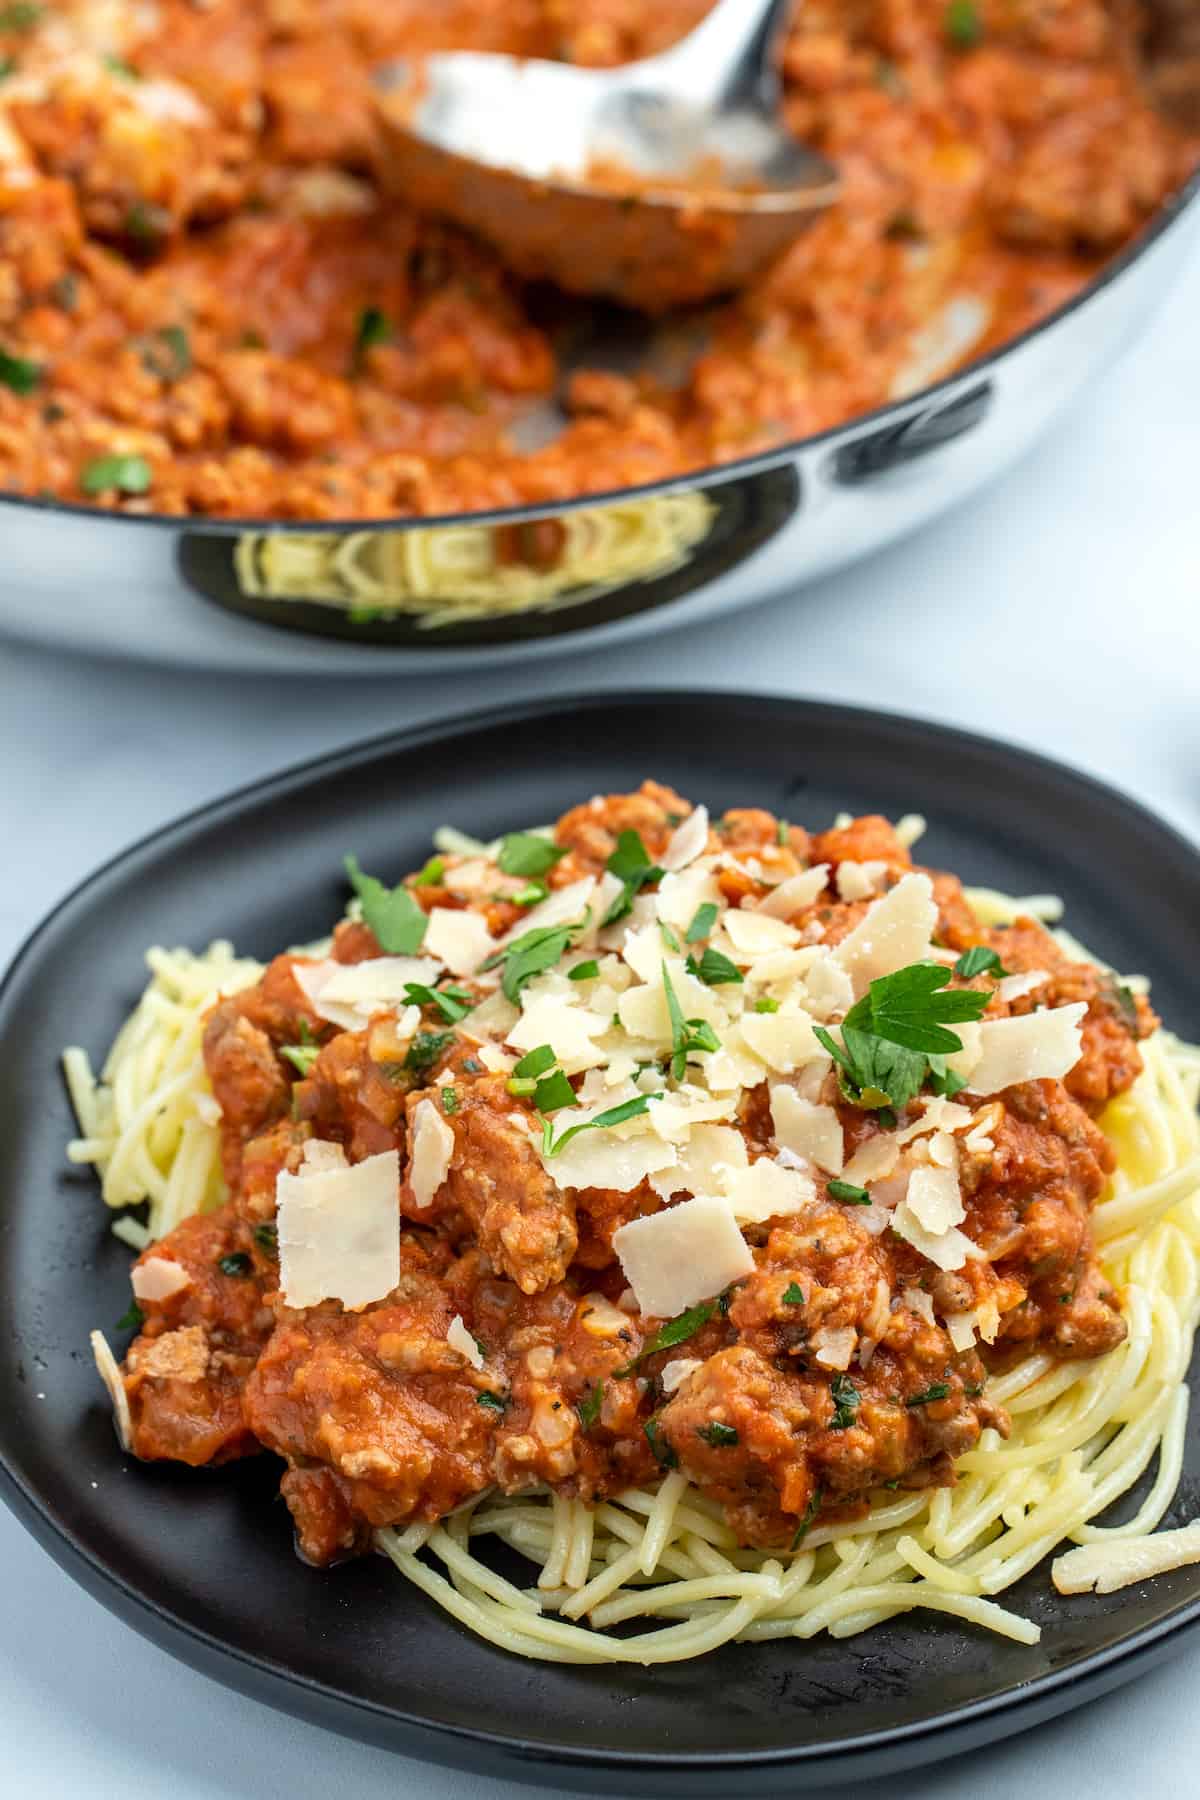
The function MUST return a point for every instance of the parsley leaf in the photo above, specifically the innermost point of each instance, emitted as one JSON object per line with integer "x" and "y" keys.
{"x": 847, "y": 1192}
{"x": 453, "y": 1003}
{"x": 525, "y": 853}
{"x": 529, "y": 954}
{"x": 890, "y": 1034}
{"x": 493, "y": 1402}
{"x": 782, "y": 831}
{"x": 23, "y": 15}
{"x": 132, "y": 1319}
{"x": 236, "y": 1263}
{"x": 124, "y": 474}
{"x": 979, "y": 960}
{"x": 532, "y": 894}
{"x": 584, "y": 971}
{"x": 18, "y": 373}
{"x": 713, "y": 969}
{"x": 536, "y": 1062}
{"x": 589, "y": 1407}
{"x": 806, "y": 1522}
{"x": 431, "y": 874}
{"x": 688, "y": 1036}
{"x": 616, "y": 1115}
{"x": 703, "y": 920}
{"x": 663, "y": 1454}
{"x": 945, "y": 1081}
{"x": 449, "y": 1101}
{"x": 267, "y": 1239}
{"x": 630, "y": 863}
{"x": 937, "y": 1390}
{"x": 962, "y": 24}
{"x": 721, "y": 1437}
{"x": 675, "y": 1331}
{"x": 374, "y": 327}
{"x": 793, "y": 1295}
{"x": 554, "y": 1092}
{"x": 426, "y": 1047}
{"x": 392, "y": 913}
{"x": 845, "y": 1401}
{"x": 301, "y": 1056}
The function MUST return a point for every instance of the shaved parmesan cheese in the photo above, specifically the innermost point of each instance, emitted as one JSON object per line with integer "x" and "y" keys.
{"x": 935, "y": 1199}
{"x": 157, "y": 1279}
{"x": 495, "y": 1060}
{"x": 1040, "y": 1046}
{"x": 458, "y": 938}
{"x": 689, "y": 1253}
{"x": 432, "y": 1148}
{"x": 567, "y": 1027}
{"x": 460, "y": 1339}
{"x": 600, "y": 1318}
{"x": 757, "y": 933}
{"x": 950, "y": 1249}
{"x": 644, "y": 1012}
{"x": 828, "y": 989}
{"x": 1119, "y": 1563}
{"x": 960, "y": 1329}
{"x": 784, "y": 1040}
{"x": 767, "y": 1190}
{"x": 877, "y": 1158}
{"x": 833, "y": 1345}
{"x": 472, "y": 879}
{"x": 350, "y": 994}
{"x": 339, "y": 1232}
{"x": 794, "y": 894}
{"x": 110, "y": 1374}
{"x": 894, "y": 933}
{"x": 688, "y": 842}
{"x": 709, "y": 1160}
{"x": 565, "y": 906}
{"x": 680, "y": 897}
{"x": 602, "y": 1159}
{"x": 860, "y": 880}
{"x": 321, "y": 1153}
{"x": 1015, "y": 987}
{"x": 676, "y": 1372}
{"x": 676, "y": 1115}
{"x": 493, "y": 1017}
{"x": 811, "y": 1131}
{"x": 919, "y": 1302}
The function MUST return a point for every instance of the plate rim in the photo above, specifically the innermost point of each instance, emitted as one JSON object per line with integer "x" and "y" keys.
{"x": 941, "y": 1734}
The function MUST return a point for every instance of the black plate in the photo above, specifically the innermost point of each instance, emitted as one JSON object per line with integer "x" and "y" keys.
{"x": 203, "y": 1564}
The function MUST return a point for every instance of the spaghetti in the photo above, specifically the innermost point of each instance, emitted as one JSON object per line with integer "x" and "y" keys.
{"x": 663, "y": 1556}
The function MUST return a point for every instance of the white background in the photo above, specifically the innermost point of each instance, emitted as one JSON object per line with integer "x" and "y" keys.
{"x": 1061, "y": 609}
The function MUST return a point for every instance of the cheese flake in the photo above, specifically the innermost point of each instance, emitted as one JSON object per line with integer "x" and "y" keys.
{"x": 758, "y": 933}
{"x": 1040, "y": 1046}
{"x": 109, "y": 1372}
{"x": 687, "y": 842}
{"x": 603, "y": 1159}
{"x": 458, "y": 938}
{"x": 768, "y": 1190}
{"x": 339, "y": 1232}
{"x": 680, "y": 897}
{"x": 157, "y": 1278}
{"x": 860, "y": 880}
{"x": 565, "y": 906}
{"x": 811, "y": 1131}
{"x": 460, "y": 1339}
{"x": 350, "y": 994}
{"x": 950, "y": 1249}
{"x": 569, "y": 1029}
{"x": 676, "y": 1372}
{"x": 935, "y": 1199}
{"x": 784, "y": 1040}
{"x": 690, "y": 1252}
{"x": 892, "y": 934}
{"x": 794, "y": 894}
{"x": 432, "y": 1149}
{"x": 1117, "y": 1564}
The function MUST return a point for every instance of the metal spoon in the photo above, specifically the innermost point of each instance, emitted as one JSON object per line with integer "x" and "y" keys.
{"x": 659, "y": 183}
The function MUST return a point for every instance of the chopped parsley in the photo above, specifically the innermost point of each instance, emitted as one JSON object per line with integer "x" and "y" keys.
{"x": 584, "y": 971}
{"x": 713, "y": 969}
{"x": 168, "y": 353}
{"x": 670, "y": 938}
{"x": 431, "y": 874}
{"x": 493, "y": 1402}
{"x": 588, "y": 1408}
{"x": 1123, "y": 1000}
{"x": 536, "y": 1062}
{"x": 937, "y": 1390}
{"x": 630, "y": 863}
{"x": 675, "y": 1331}
{"x": 979, "y": 960}
{"x": 267, "y": 1239}
{"x": 454, "y": 1003}
{"x": 720, "y": 1437}
{"x": 525, "y": 853}
{"x": 962, "y": 24}
{"x": 125, "y": 474}
{"x": 554, "y": 1092}
{"x": 806, "y": 1521}
{"x": 373, "y": 328}
{"x": 22, "y": 16}
{"x": 426, "y": 1047}
{"x": 530, "y": 895}
{"x": 661, "y": 1450}
{"x": 616, "y": 1115}
{"x": 449, "y": 1101}
{"x": 529, "y": 955}
{"x": 392, "y": 913}
{"x": 688, "y": 1036}
{"x": 471, "y": 1066}
{"x": 18, "y": 373}
{"x": 132, "y": 1319}
{"x": 766, "y": 1005}
{"x": 890, "y": 1034}
{"x": 782, "y": 831}
{"x": 236, "y": 1263}
{"x": 146, "y": 223}
{"x": 703, "y": 920}
{"x": 846, "y": 1191}
{"x": 793, "y": 1295}
{"x": 845, "y": 1402}
{"x": 944, "y": 1081}
{"x": 116, "y": 65}
{"x": 302, "y": 1057}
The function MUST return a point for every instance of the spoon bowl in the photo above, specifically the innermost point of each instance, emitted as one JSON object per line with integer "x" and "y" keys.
{"x": 658, "y": 184}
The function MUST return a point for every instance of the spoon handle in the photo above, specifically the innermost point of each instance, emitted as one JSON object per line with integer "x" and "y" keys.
{"x": 726, "y": 58}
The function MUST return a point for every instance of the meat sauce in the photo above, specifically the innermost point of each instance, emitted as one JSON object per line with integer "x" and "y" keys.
{"x": 209, "y": 304}
{"x": 381, "y": 1420}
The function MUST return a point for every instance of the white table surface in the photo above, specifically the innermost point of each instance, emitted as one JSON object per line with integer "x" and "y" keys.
{"x": 1061, "y": 609}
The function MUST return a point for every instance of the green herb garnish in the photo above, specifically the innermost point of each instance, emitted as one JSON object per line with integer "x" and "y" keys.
{"x": 529, "y": 955}
{"x": 536, "y": 1062}
{"x": 431, "y": 874}
{"x": 454, "y": 1003}
{"x": 703, "y": 920}
{"x": 584, "y": 971}
{"x": 766, "y": 1005}
{"x": 168, "y": 354}
{"x": 782, "y": 830}
{"x": 426, "y": 1047}
{"x": 267, "y": 1239}
{"x": 116, "y": 65}
{"x": 588, "y": 1408}
{"x": 125, "y": 474}
{"x": 979, "y": 960}
{"x": 392, "y": 914}
{"x": 18, "y": 374}
{"x": 22, "y": 16}
{"x": 688, "y": 1036}
{"x": 847, "y": 1192}
{"x": 616, "y": 1115}
{"x": 670, "y": 938}
{"x": 889, "y": 1035}
{"x": 493, "y": 1402}
{"x": 554, "y": 1092}
{"x": 845, "y": 1400}
{"x": 525, "y": 853}
{"x": 373, "y": 328}
{"x": 793, "y": 1295}
{"x": 713, "y": 969}
{"x": 146, "y": 223}
{"x": 132, "y": 1319}
{"x": 532, "y": 894}
{"x": 721, "y": 1437}
{"x": 449, "y": 1101}
{"x": 962, "y": 24}
{"x": 630, "y": 863}
{"x": 236, "y": 1263}
{"x": 937, "y": 1390}
{"x": 675, "y": 1331}
{"x": 661, "y": 1450}
{"x": 301, "y": 1056}
{"x": 944, "y": 1081}
{"x": 806, "y": 1522}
